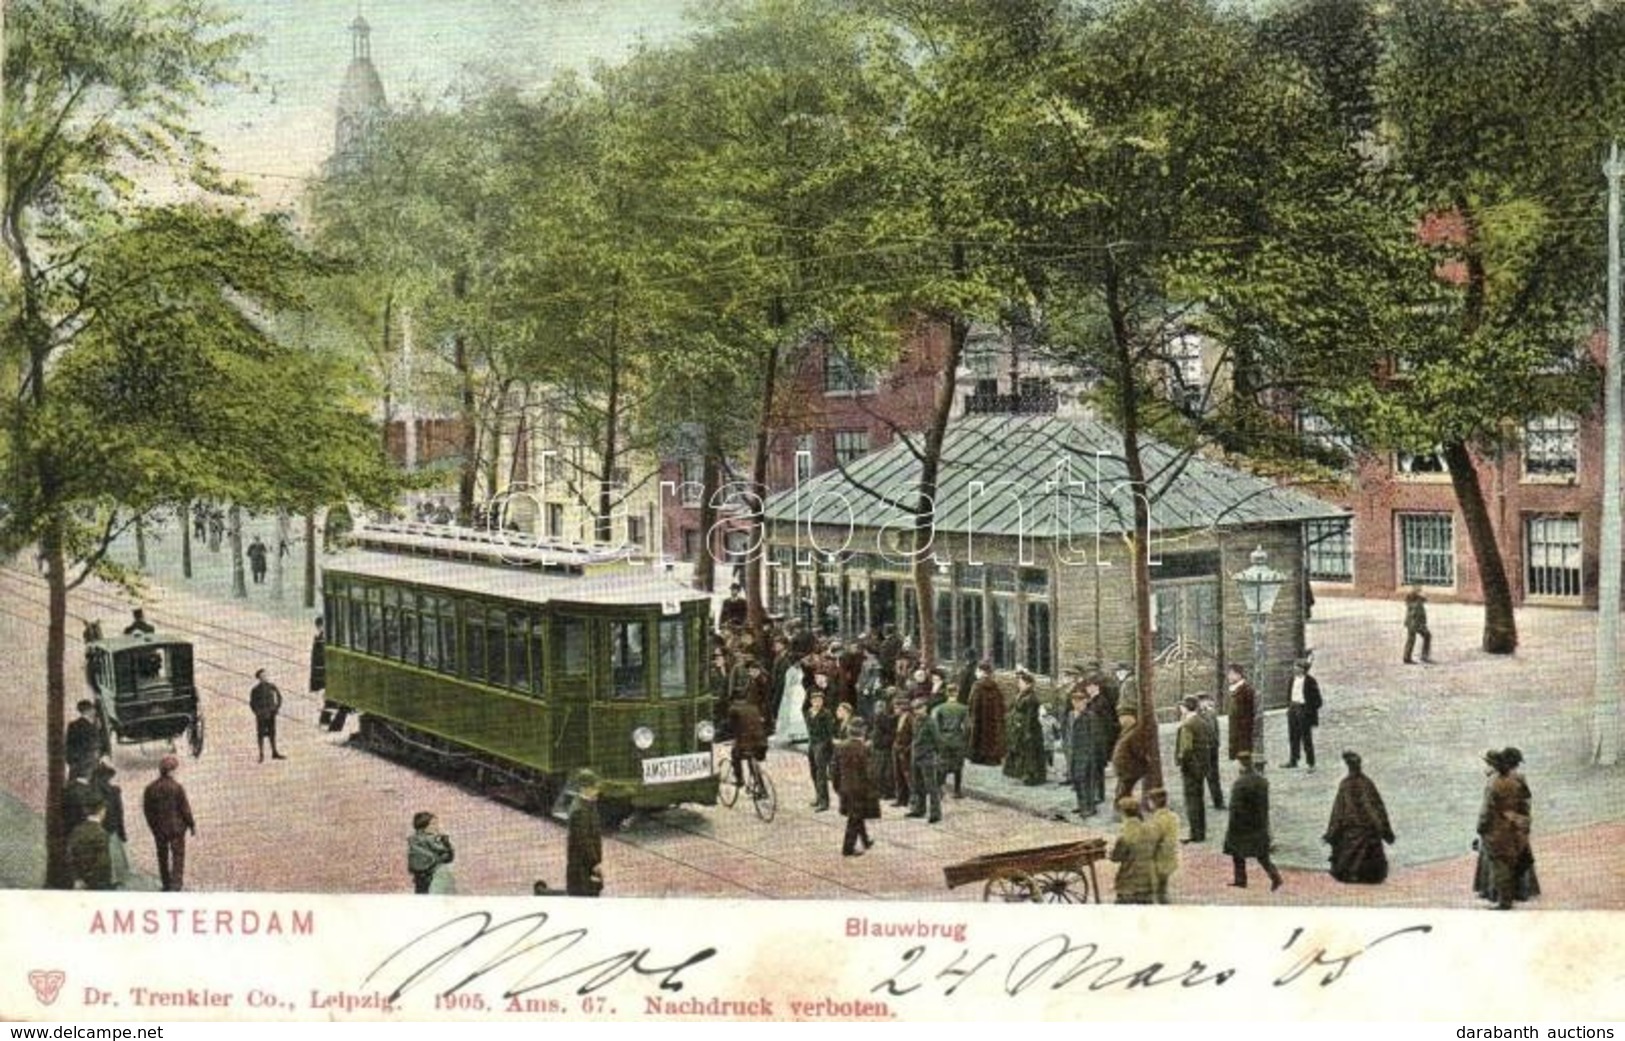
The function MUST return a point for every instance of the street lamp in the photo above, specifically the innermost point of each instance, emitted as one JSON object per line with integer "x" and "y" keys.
{"x": 1260, "y": 585}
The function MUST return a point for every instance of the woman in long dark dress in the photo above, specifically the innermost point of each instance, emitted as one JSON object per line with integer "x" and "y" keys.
{"x": 1526, "y": 885}
{"x": 1027, "y": 759}
{"x": 1358, "y": 828}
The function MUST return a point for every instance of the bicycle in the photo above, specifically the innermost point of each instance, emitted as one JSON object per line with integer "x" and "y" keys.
{"x": 757, "y": 783}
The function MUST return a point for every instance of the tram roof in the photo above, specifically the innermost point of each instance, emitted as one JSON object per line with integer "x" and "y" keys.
{"x": 630, "y": 585}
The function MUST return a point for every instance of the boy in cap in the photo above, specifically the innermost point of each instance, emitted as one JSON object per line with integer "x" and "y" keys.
{"x": 584, "y": 848}
{"x": 926, "y": 766}
{"x": 820, "y": 746}
{"x": 1135, "y": 854}
{"x": 1165, "y": 824}
{"x": 427, "y": 848}
{"x": 169, "y": 815}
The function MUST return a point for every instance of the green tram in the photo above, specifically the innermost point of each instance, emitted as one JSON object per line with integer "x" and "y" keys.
{"x": 523, "y": 662}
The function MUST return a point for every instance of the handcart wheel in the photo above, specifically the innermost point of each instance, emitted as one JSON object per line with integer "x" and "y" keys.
{"x": 194, "y": 736}
{"x": 1061, "y": 886}
{"x": 1015, "y": 888}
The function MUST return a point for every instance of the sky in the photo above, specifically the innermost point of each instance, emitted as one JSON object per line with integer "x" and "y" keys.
{"x": 276, "y": 133}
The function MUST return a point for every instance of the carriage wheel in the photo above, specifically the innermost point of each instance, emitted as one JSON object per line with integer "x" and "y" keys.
{"x": 194, "y": 736}
{"x": 1015, "y": 888}
{"x": 1063, "y": 886}
{"x": 762, "y": 793}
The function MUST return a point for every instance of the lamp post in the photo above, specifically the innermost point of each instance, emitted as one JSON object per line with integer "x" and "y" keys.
{"x": 1260, "y": 584}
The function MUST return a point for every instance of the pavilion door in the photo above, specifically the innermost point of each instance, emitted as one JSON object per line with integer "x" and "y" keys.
{"x": 1186, "y": 639}
{"x": 883, "y": 603}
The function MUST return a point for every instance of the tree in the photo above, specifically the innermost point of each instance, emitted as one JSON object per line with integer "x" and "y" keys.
{"x": 132, "y": 342}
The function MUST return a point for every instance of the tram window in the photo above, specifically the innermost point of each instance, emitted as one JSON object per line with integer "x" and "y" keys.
{"x": 673, "y": 658}
{"x": 474, "y": 640}
{"x": 358, "y": 631}
{"x": 572, "y": 643}
{"x": 392, "y": 625}
{"x": 518, "y": 633}
{"x": 409, "y": 627}
{"x": 496, "y": 670}
{"x": 448, "y": 636}
{"x": 626, "y": 653}
{"x": 537, "y": 669}
{"x": 429, "y": 626}
{"x": 375, "y": 621}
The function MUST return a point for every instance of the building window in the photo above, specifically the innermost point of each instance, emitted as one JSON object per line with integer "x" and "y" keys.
{"x": 691, "y": 480}
{"x": 850, "y": 446}
{"x": 844, "y": 376}
{"x": 691, "y": 544}
{"x": 1552, "y": 555}
{"x": 1329, "y": 549}
{"x": 1318, "y": 432}
{"x": 1187, "y": 376}
{"x": 1038, "y": 638}
{"x": 804, "y": 458}
{"x": 1551, "y": 447}
{"x": 634, "y": 530}
{"x": 555, "y": 521}
{"x": 1420, "y": 463}
{"x": 1428, "y": 549}
{"x": 983, "y": 363}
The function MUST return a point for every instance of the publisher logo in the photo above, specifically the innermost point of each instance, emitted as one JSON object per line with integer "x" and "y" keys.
{"x": 47, "y": 984}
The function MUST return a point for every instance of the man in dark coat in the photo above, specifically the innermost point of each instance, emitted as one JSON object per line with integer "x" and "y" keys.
{"x": 1302, "y": 715}
{"x": 925, "y": 760}
{"x": 1129, "y": 760}
{"x": 987, "y": 710}
{"x": 584, "y": 848}
{"x": 1082, "y": 745}
{"x": 749, "y": 732}
{"x": 1210, "y": 722}
{"x": 883, "y": 742}
{"x": 169, "y": 815}
{"x": 88, "y": 852}
{"x": 256, "y": 560}
{"x": 265, "y": 701}
{"x": 735, "y": 611}
{"x": 1194, "y": 748}
{"x": 1358, "y": 828}
{"x": 860, "y": 803}
{"x": 952, "y": 721}
{"x": 1503, "y": 827}
{"x": 1416, "y": 624}
{"x": 1243, "y": 702}
{"x": 820, "y": 747}
{"x": 83, "y": 741}
{"x": 903, "y": 750}
{"x": 1248, "y": 832}
{"x": 968, "y": 674}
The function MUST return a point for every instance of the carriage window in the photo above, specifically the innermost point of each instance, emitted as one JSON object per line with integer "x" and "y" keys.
{"x": 571, "y": 637}
{"x": 409, "y": 627}
{"x": 429, "y": 628}
{"x": 626, "y": 660}
{"x": 673, "y": 659}
{"x": 518, "y": 667}
{"x": 392, "y": 624}
{"x": 448, "y": 636}
{"x": 474, "y": 640}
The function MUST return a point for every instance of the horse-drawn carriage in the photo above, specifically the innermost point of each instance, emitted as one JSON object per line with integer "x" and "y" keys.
{"x": 144, "y": 689}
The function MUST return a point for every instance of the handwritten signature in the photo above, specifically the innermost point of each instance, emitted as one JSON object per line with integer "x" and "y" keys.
{"x": 524, "y": 955}
{"x": 1058, "y": 961}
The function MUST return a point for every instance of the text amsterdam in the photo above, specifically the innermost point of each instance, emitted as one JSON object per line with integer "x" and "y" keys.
{"x": 177, "y": 921}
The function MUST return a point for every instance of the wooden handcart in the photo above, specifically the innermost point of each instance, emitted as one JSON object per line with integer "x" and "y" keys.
{"x": 1063, "y": 874}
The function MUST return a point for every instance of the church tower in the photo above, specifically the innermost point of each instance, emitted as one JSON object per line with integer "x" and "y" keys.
{"x": 361, "y": 100}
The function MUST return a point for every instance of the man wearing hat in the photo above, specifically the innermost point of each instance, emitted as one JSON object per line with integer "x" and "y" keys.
{"x": 88, "y": 853}
{"x": 1129, "y": 760}
{"x": 1302, "y": 715}
{"x": 1195, "y": 746}
{"x": 903, "y": 750}
{"x": 1248, "y": 831}
{"x": 1165, "y": 823}
{"x": 1243, "y": 702}
{"x": 952, "y": 721}
{"x": 925, "y": 761}
{"x": 820, "y": 745}
{"x": 735, "y": 611}
{"x": 860, "y": 803}
{"x": 169, "y": 815}
{"x": 1416, "y": 624}
{"x": 265, "y": 701}
{"x": 83, "y": 741}
{"x": 1135, "y": 853}
{"x": 987, "y": 710}
{"x": 584, "y": 846}
{"x": 1209, "y": 711}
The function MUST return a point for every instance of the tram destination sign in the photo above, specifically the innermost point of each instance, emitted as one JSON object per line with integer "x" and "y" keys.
{"x": 673, "y": 768}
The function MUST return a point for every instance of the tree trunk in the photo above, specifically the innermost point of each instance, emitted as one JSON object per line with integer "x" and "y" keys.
{"x": 58, "y": 873}
{"x": 705, "y": 568}
{"x": 926, "y": 493}
{"x": 1500, "y": 624}
{"x": 310, "y": 559}
{"x": 612, "y": 415}
{"x": 239, "y": 584}
{"x": 140, "y": 544}
{"x": 186, "y": 540}
{"x": 756, "y": 612}
{"x": 1140, "y": 544}
{"x": 281, "y": 552}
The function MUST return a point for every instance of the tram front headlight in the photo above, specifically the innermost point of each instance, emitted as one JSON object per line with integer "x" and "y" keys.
{"x": 704, "y": 731}
{"x": 643, "y": 738}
